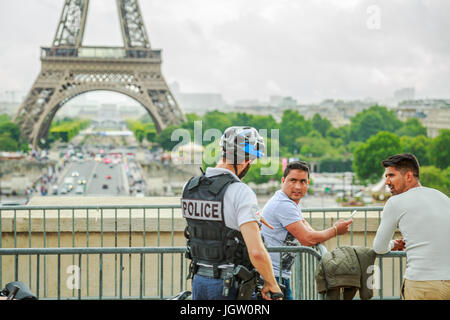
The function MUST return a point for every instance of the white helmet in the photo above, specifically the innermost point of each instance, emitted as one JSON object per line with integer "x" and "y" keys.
{"x": 241, "y": 143}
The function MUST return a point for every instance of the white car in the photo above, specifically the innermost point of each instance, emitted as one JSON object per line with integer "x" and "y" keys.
{"x": 79, "y": 189}
{"x": 68, "y": 180}
{"x": 75, "y": 174}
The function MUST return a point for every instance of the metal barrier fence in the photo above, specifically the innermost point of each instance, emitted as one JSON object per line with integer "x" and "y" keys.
{"x": 153, "y": 228}
{"x": 138, "y": 221}
{"x": 361, "y": 219}
{"x": 157, "y": 277}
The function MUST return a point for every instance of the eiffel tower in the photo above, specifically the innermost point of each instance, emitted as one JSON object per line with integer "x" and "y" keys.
{"x": 69, "y": 69}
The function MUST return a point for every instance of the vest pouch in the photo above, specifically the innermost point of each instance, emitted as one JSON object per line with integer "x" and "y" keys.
{"x": 203, "y": 231}
{"x": 236, "y": 250}
{"x": 209, "y": 252}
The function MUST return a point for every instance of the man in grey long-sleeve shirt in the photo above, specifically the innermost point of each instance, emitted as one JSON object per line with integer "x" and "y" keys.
{"x": 423, "y": 217}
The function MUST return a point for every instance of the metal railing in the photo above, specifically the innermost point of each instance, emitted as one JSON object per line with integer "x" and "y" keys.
{"x": 138, "y": 221}
{"x": 73, "y": 235}
{"x": 99, "y": 52}
{"x": 108, "y": 282}
{"x": 135, "y": 220}
{"x": 154, "y": 277}
{"x": 361, "y": 218}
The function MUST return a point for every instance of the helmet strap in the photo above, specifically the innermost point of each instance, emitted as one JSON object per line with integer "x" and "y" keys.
{"x": 235, "y": 164}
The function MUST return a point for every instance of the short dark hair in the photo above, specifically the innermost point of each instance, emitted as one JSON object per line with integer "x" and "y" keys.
{"x": 403, "y": 162}
{"x": 296, "y": 165}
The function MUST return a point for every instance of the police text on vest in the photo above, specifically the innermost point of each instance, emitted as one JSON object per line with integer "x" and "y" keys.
{"x": 201, "y": 209}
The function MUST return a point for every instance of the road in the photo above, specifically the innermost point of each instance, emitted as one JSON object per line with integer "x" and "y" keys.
{"x": 95, "y": 173}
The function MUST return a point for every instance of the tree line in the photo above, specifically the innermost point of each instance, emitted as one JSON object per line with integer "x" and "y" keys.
{"x": 372, "y": 135}
{"x": 10, "y": 138}
{"x": 64, "y": 129}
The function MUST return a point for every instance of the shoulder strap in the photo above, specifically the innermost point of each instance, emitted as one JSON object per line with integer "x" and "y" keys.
{"x": 220, "y": 182}
{"x": 193, "y": 183}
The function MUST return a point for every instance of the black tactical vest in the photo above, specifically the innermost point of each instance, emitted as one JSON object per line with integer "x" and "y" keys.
{"x": 209, "y": 241}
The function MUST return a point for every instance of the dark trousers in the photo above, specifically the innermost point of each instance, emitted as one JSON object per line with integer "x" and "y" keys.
{"x": 286, "y": 282}
{"x": 204, "y": 288}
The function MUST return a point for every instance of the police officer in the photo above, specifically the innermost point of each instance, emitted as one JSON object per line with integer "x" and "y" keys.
{"x": 223, "y": 237}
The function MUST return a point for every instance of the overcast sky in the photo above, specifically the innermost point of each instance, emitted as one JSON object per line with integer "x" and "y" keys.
{"x": 251, "y": 49}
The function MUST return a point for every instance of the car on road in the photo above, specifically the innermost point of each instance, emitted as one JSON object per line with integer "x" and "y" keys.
{"x": 68, "y": 180}
{"x": 82, "y": 180}
{"x": 11, "y": 203}
{"x": 75, "y": 174}
{"x": 105, "y": 186}
{"x": 64, "y": 190}
{"x": 79, "y": 189}
{"x": 108, "y": 177}
{"x": 55, "y": 189}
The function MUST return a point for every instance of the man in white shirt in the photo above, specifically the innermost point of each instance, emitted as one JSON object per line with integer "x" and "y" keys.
{"x": 423, "y": 217}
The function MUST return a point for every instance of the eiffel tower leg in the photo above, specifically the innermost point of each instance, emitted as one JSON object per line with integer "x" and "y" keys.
{"x": 35, "y": 103}
{"x": 155, "y": 88}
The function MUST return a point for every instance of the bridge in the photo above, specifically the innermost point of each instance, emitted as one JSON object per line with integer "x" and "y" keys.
{"x": 134, "y": 249}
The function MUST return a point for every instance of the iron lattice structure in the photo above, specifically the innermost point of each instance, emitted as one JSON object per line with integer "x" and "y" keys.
{"x": 69, "y": 69}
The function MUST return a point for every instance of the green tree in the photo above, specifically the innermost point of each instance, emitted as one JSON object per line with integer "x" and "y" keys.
{"x": 418, "y": 146}
{"x": 255, "y": 175}
{"x": 164, "y": 139}
{"x": 241, "y": 119}
{"x": 216, "y": 120}
{"x": 264, "y": 122}
{"x": 4, "y": 118}
{"x": 371, "y": 121}
{"x": 321, "y": 124}
{"x": 335, "y": 164}
{"x": 7, "y": 143}
{"x": 368, "y": 156}
{"x": 412, "y": 127}
{"x": 439, "y": 151}
{"x": 292, "y": 126}
{"x": 433, "y": 177}
{"x": 10, "y": 128}
{"x": 68, "y": 128}
{"x": 314, "y": 145}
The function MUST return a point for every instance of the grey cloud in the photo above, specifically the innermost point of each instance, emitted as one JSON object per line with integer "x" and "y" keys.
{"x": 310, "y": 50}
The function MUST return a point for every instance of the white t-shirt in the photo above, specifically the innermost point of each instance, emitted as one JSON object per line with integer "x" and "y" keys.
{"x": 280, "y": 211}
{"x": 423, "y": 217}
{"x": 239, "y": 201}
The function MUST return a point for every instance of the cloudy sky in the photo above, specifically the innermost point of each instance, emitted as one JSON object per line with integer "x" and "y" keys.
{"x": 251, "y": 49}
